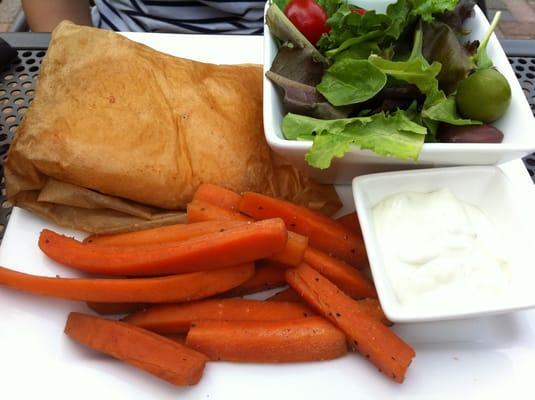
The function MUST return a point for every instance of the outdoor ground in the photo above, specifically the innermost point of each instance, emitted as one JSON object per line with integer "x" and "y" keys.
{"x": 518, "y": 16}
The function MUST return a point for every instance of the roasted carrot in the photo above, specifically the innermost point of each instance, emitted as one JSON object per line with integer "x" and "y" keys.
{"x": 367, "y": 335}
{"x": 218, "y": 196}
{"x": 305, "y": 339}
{"x": 323, "y": 233}
{"x": 236, "y": 245}
{"x": 170, "y": 233}
{"x": 287, "y": 294}
{"x": 155, "y": 354}
{"x": 368, "y": 305}
{"x": 176, "y": 337}
{"x": 115, "y": 308}
{"x": 373, "y": 308}
{"x": 175, "y": 318}
{"x": 268, "y": 275}
{"x": 351, "y": 222}
{"x": 346, "y": 277}
{"x": 168, "y": 289}
{"x": 228, "y": 200}
{"x": 292, "y": 254}
{"x": 198, "y": 211}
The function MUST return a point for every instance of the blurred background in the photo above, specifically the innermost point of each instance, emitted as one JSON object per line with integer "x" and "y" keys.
{"x": 517, "y": 22}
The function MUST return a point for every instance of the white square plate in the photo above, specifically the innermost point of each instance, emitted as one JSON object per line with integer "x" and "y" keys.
{"x": 485, "y": 358}
{"x": 488, "y": 189}
{"x": 518, "y": 126}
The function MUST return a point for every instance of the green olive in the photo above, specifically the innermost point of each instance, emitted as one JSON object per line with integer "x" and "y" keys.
{"x": 484, "y": 95}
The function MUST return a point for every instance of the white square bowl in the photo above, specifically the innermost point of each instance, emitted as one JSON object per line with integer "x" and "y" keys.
{"x": 517, "y": 125}
{"x": 485, "y": 187}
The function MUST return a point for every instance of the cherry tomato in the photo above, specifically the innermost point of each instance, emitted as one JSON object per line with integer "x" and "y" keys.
{"x": 308, "y": 17}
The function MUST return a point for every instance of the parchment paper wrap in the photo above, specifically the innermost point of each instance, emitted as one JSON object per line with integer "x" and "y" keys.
{"x": 119, "y": 136}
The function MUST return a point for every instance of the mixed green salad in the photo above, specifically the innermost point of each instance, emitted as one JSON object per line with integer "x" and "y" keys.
{"x": 383, "y": 82}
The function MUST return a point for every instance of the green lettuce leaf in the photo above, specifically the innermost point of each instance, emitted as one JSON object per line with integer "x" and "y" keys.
{"x": 326, "y": 147}
{"x": 445, "y": 110}
{"x": 399, "y": 18}
{"x": 352, "y": 29}
{"x": 426, "y": 8}
{"x": 387, "y": 135}
{"x": 355, "y": 43}
{"x": 416, "y": 71}
{"x": 281, "y": 3}
{"x": 351, "y": 81}
{"x": 330, "y": 6}
{"x": 360, "y": 52}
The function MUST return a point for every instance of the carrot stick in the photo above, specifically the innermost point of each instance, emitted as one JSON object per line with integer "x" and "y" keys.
{"x": 368, "y": 336}
{"x": 323, "y": 233}
{"x": 305, "y": 339}
{"x": 176, "y": 318}
{"x": 287, "y": 294}
{"x": 292, "y": 254}
{"x": 268, "y": 275}
{"x": 170, "y": 233}
{"x": 346, "y": 277}
{"x": 217, "y": 250}
{"x": 198, "y": 211}
{"x": 168, "y": 289}
{"x": 368, "y": 305}
{"x": 351, "y": 222}
{"x": 115, "y": 308}
{"x": 177, "y": 337}
{"x": 218, "y": 196}
{"x": 152, "y": 353}
{"x": 373, "y": 308}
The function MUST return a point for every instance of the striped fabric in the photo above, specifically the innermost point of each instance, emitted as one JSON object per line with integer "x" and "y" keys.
{"x": 202, "y": 16}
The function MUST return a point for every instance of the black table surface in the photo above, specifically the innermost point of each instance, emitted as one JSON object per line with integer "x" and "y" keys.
{"x": 17, "y": 83}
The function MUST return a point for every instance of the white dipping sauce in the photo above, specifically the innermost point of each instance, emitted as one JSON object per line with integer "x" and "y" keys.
{"x": 440, "y": 250}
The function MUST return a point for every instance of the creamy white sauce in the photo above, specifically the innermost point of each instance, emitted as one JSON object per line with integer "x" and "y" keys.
{"x": 438, "y": 250}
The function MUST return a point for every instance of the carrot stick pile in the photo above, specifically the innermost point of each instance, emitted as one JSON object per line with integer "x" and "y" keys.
{"x": 176, "y": 284}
